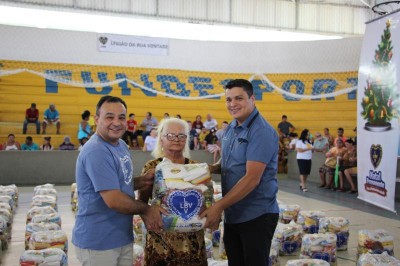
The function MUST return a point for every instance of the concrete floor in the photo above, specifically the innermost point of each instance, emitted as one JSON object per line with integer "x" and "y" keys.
{"x": 361, "y": 215}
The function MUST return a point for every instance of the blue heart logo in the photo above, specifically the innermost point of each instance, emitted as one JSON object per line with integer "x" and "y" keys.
{"x": 290, "y": 247}
{"x": 341, "y": 239}
{"x": 322, "y": 256}
{"x": 185, "y": 204}
{"x": 313, "y": 229}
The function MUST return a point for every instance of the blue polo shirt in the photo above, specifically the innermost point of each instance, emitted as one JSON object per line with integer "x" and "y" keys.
{"x": 102, "y": 166}
{"x": 254, "y": 140}
{"x": 51, "y": 115}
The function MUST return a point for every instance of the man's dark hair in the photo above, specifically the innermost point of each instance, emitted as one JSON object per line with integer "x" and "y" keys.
{"x": 149, "y": 113}
{"x": 350, "y": 141}
{"x": 241, "y": 83}
{"x": 85, "y": 114}
{"x": 33, "y": 105}
{"x": 284, "y": 116}
{"x": 341, "y": 129}
{"x": 303, "y": 135}
{"x": 131, "y": 114}
{"x": 108, "y": 99}
{"x": 29, "y": 138}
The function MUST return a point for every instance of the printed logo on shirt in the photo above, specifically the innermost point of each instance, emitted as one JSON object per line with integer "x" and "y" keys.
{"x": 127, "y": 168}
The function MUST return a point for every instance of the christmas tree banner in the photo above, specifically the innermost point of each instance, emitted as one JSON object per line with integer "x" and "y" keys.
{"x": 378, "y": 108}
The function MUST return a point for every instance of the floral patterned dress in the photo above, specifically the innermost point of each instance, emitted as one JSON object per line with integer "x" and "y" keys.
{"x": 173, "y": 248}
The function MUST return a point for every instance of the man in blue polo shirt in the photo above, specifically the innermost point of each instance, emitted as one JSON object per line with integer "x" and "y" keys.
{"x": 103, "y": 231}
{"x": 248, "y": 177}
{"x": 51, "y": 116}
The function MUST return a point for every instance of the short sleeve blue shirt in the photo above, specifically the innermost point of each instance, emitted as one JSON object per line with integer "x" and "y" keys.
{"x": 51, "y": 115}
{"x": 102, "y": 166}
{"x": 254, "y": 140}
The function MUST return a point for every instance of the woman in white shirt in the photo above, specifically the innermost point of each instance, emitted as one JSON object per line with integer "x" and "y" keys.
{"x": 150, "y": 141}
{"x": 304, "y": 156}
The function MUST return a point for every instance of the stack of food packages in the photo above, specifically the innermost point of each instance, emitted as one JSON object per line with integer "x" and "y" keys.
{"x": 184, "y": 190}
{"x": 49, "y": 256}
{"x": 375, "y": 242}
{"x": 310, "y": 221}
{"x": 46, "y": 242}
{"x": 217, "y": 191}
{"x": 289, "y": 238}
{"x": 319, "y": 246}
{"x": 274, "y": 253}
{"x": 307, "y": 262}
{"x": 338, "y": 226}
{"x": 288, "y": 213}
{"x": 377, "y": 259}
{"x": 8, "y": 204}
{"x": 138, "y": 255}
{"x": 74, "y": 197}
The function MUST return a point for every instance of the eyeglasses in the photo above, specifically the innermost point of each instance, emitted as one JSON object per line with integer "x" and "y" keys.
{"x": 172, "y": 137}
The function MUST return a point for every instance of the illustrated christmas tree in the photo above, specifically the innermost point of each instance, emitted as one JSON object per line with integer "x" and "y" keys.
{"x": 380, "y": 98}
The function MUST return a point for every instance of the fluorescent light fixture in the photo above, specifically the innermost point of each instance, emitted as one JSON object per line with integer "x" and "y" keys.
{"x": 124, "y": 25}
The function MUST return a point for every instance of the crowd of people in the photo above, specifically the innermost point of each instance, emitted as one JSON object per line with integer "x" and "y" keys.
{"x": 340, "y": 153}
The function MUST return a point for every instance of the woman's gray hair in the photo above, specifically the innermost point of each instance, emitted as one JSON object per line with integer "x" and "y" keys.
{"x": 158, "y": 150}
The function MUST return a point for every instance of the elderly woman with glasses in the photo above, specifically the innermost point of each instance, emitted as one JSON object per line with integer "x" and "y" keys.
{"x": 172, "y": 248}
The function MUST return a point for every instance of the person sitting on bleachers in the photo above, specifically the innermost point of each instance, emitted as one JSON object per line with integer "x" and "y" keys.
{"x": 11, "y": 144}
{"x": 150, "y": 141}
{"x": 31, "y": 116}
{"x": 51, "y": 116}
{"x": 321, "y": 143}
{"x": 293, "y": 137}
{"x": 211, "y": 144}
{"x": 348, "y": 166}
{"x": 202, "y": 138}
{"x": 197, "y": 124}
{"x": 135, "y": 145}
{"x": 210, "y": 123}
{"x": 193, "y": 137}
{"x": 148, "y": 123}
{"x": 29, "y": 145}
{"x": 66, "y": 145}
{"x": 329, "y": 137}
{"x": 330, "y": 164}
{"x": 131, "y": 131}
{"x": 46, "y": 146}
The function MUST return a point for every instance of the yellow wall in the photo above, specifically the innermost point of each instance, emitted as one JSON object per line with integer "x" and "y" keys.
{"x": 17, "y": 91}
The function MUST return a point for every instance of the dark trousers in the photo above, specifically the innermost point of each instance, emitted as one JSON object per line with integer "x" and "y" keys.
{"x": 249, "y": 243}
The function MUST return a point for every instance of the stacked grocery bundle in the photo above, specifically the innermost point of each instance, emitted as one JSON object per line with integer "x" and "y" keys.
{"x": 375, "y": 242}
{"x": 307, "y": 262}
{"x": 274, "y": 253}
{"x": 74, "y": 197}
{"x": 185, "y": 190}
{"x": 377, "y": 259}
{"x": 289, "y": 236}
{"x": 46, "y": 242}
{"x": 338, "y": 226}
{"x": 310, "y": 221}
{"x": 319, "y": 246}
{"x": 8, "y": 204}
{"x": 288, "y": 213}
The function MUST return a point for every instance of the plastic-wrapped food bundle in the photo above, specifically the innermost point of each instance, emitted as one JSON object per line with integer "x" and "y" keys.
{"x": 15, "y": 189}
{"x": 274, "y": 253}
{"x": 209, "y": 247}
{"x": 42, "y": 186}
{"x": 375, "y": 242}
{"x": 6, "y": 206}
{"x": 6, "y": 214}
{"x": 38, "y": 210}
{"x": 288, "y": 213}
{"x": 137, "y": 228}
{"x": 37, "y": 227}
{"x": 307, "y": 262}
{"x": 377, "y": 259}
{"x": 44, "y": 257}
{"x": 9, "y": 200}
{"x": 74, "y": 200}
{"x": 310, "y": 220}
{"x": 185, "y": 190}
{"x": 289, "y": 237}
{"x": 338, "y": 226}
{"x": 9, "y": 191}
{"x": 44, "y": 200}
{"x": 4, "y": 233}
{"x": 47, "y": 218}
{"x": 46, "y": 191}
{"x": 212, "y": 262}
{"x": 221, "y": 248}
{"x": 138, "y": 255}
{"x": 49, "y": 239}
{"x": 216, "y": 235}
{"x": 319, "y": 246}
